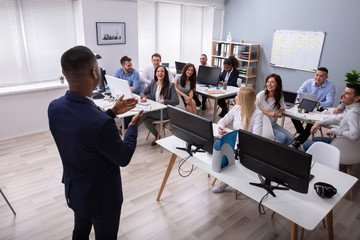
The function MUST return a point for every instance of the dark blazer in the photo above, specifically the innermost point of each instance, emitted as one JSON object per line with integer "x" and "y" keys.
{"x": 170, "y": 97}
{"x": 232, "y": 78}
{"x": 91, "y": 151}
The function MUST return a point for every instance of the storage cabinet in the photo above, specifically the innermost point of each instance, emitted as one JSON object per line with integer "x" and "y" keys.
{"x": 246, "y": 53}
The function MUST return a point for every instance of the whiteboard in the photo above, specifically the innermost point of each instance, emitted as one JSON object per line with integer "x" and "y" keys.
{"x": 297, "y": 49}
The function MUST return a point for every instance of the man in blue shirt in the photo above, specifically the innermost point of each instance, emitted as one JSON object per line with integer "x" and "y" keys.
{"x": 324, "y": 91}
{"x": 128, "y": 73}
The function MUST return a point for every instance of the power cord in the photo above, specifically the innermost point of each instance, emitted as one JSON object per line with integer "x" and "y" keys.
{"x": 261, "y": 208}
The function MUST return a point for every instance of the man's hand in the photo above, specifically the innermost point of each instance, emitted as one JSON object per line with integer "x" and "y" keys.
{"x": 143, "y": 99}
{"x": 135, "y": 120}
{"x": 337, "y": 110}
{"x": 122, "y": 106}
{"x": 314, "y": 128}
{"x": 132, "y": 89}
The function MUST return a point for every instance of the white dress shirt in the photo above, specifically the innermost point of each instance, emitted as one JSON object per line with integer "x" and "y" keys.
{"x": 256, "y": 121}
{"x": 349, "y": 123}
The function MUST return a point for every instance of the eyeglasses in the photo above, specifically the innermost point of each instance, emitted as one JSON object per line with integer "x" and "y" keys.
{"x": 324, "y": 190}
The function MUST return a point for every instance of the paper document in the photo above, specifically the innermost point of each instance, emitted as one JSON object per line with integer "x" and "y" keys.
{"x": 315, "y": 117}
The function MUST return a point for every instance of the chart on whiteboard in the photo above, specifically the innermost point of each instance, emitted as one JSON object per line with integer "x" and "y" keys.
{"x": 297, "y": 49}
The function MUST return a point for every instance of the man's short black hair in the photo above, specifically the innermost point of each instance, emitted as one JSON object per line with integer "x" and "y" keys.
{"x": 323, "y": 69}
{"x": 204, "y": 55}
{"x": 355, "y": 86}
{"x": 125, "y": 59}
{"x": 77, "y": 60}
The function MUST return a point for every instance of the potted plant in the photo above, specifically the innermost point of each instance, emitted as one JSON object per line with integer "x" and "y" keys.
{"x": 352, "y": 77}
{"x": 62, "y": 79}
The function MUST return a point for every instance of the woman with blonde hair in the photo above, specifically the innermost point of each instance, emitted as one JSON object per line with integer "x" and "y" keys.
{"x": 245, "y": 116}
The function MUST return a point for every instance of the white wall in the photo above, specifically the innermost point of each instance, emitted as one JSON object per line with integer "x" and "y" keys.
{"x": 111, "y": 11}
{"x": 24, "y": 113}
{"x": 255, "y": 21}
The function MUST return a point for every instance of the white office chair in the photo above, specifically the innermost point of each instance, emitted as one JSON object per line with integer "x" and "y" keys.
{"x": 267, "y": 131}
{"x": 349, "y": 154}
{"x": 327, "y": 155}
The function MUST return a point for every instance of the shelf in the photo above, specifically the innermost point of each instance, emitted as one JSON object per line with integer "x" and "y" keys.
{"x": 221, "y": 50}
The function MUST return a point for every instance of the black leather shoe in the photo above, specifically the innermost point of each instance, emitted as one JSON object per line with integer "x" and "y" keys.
{"x": 222, "y": 114}
{"x": 296, "y": 145}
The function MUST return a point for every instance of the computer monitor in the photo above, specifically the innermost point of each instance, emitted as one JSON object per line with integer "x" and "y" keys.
{"x": 179, "y": 67}
{"x": 275, "y": 162}
{"x": 193, "y": 129}
{"x": 102, "y": 82}
{"x": 209, "y": 75}
{"x": 165, "y": 64}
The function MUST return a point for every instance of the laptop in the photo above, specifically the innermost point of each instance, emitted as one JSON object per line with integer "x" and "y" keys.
{"x": 118, "y": 87}
{"x": 289, "y": 98}
{"x": 308, "y": 96}
{"x": 307, "y": 105}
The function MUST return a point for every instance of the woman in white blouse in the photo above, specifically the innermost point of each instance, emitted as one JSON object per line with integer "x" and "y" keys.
{"x": 271, "y": 102}
{"x": 245, "y": 116}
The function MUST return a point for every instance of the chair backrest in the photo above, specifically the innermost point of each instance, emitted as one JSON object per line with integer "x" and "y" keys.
{"x": 267, "y": 131}
{"x": 349, "y": 150}
{"x": 325, "y": 154}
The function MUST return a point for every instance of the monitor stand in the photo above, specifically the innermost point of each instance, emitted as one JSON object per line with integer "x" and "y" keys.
{"x": 266, "y": 184}
{"x": 188, "y": 149}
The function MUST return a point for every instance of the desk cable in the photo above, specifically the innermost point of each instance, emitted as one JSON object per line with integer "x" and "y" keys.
{"x": 261, "y": 208}
{"x": 188, "y": 172}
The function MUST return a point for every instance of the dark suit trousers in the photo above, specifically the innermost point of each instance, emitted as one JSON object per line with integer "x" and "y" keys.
{"x": 303, "y": 133}
{"x": 105, "y": 227}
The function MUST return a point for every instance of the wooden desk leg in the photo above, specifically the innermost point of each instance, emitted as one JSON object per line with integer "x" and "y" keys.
{"x": 215, "y": 112}
{"x": 167, "y": 173}
{"x": 329, "y": 219}
{"x": 294, "y": 231}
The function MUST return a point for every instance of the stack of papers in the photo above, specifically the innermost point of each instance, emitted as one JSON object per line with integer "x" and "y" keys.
{"x": 312, "y": 116}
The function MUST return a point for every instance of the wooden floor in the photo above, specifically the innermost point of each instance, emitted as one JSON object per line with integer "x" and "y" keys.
{"x": 30, "y": 177}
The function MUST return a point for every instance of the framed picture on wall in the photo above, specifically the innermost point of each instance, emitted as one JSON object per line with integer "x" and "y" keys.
{"x": 110, "y": 33}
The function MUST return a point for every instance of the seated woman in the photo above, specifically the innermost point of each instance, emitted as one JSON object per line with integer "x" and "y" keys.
{"x": 271, "y": 102}
{"x": 245, "y": 116}
{"x": 160, "y": 90}
{"x": 185, "y": 86}
{"x": 230, "y": 76}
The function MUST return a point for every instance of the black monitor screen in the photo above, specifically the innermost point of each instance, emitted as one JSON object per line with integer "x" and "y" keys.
{"x": 275, "y": 162}
{"x": 179, "y": 67}
{"x": 102, "y": 82}
{"x": 289, "y": 97}
{"x": 209, "y": 75}
{"x": 191, "y": 128}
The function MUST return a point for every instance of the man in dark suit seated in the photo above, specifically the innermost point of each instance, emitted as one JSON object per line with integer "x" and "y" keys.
{"x": 228, "y": 76}
{"x": 90, "y": 147}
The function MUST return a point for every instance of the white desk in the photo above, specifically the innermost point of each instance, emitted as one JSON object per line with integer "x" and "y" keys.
{"x": 306, "y": 210}
{"x": 229, "y": 92}
{"x": 307, "y": 117}
{"x": 154, "y": 106}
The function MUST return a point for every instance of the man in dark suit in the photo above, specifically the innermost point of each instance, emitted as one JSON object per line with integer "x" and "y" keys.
{"x": 90, "y": 147}
{"x": 229, "y": 76}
